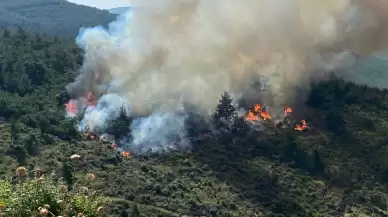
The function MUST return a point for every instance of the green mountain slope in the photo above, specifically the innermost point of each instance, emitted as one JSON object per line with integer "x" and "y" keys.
{"x": 57, "y": 17}
{"x": 338, "y": 167}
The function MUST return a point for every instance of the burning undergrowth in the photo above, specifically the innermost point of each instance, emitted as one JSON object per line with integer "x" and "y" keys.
{"x": 109, "y": 119}
{"x": 259, "y": 113}
{"x": 139, "y": 73}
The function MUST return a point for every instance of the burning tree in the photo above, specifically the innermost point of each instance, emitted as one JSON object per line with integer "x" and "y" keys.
{"x": 258, "y": 110}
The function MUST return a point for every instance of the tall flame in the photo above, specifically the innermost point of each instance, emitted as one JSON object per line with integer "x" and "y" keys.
{"x": 265, "y": 115}
{"x": 251, "y": 116}
{"x": 258, "y": 111}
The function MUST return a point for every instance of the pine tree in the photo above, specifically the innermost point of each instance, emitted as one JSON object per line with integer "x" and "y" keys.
{"x": 21, "y": 154}
{"x": 120, "y": 126}
{"x": 124, "y": 213}
{"x": 14, "y": 131}
{"x": 335, "y": 122}
{"x": 43, "y": 124}
{"x": 6, "y": 33}
{"x": 62, "y": 98}
{"x": 240, "y": 127}
{"x": 225, "y": 110}
{"x": 31, "y": 145}
{"x": 318, "y": 163}
{"x": 67, "y": 174}
{"x": 135, "y": 211}
{"x": 21, "y": 33}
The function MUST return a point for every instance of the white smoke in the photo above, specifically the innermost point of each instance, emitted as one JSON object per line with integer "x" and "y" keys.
{"x": 96, "y": 118}
{"x": 165, "y": 53}
{"x": 159, "y": 132}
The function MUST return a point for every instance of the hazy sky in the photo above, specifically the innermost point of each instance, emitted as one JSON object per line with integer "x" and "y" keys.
{"x": 102, "y": 4}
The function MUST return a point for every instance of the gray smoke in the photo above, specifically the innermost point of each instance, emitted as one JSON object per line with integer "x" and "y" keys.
{"x": 165, "y": 53}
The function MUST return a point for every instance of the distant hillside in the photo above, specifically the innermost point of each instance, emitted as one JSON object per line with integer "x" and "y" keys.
{"x": 371, "y": 71}
{"x": 57, "y": 17}
{"x": 118, "y": 10}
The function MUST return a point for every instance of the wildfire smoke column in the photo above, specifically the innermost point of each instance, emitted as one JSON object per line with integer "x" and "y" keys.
{"x": 165, "y": 53}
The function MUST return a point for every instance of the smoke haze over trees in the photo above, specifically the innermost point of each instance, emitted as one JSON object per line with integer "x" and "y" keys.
{"x": 235, "y": 167}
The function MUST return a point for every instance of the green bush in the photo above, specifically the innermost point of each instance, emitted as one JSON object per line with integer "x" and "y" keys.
{"x": 41, "y": 195}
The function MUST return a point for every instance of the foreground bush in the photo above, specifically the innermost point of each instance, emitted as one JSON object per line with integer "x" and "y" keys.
{"x": 43, "y": 196}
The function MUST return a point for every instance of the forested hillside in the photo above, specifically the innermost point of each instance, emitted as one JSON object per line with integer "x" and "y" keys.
{"x": 55, "y": 17}
{"x": 338, "y": 167}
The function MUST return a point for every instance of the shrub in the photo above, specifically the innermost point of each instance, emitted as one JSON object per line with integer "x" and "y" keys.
{"x": 25, "y": 196}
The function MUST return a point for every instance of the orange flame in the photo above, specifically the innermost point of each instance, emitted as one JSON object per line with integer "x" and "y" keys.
{"x": 302, "y": 126}
{"x": 260, "y": 112}
{"x": 287, "y": 110}
{"x": 251, "y": 116}
{"x": 126, "y": 154}
{"x": 265, "y": 115}
{"x": 257, "y": 111}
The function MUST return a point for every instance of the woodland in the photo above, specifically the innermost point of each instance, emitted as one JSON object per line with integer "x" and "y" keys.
{"x": 52, "y": 17}
{"x": 336, "y": 166}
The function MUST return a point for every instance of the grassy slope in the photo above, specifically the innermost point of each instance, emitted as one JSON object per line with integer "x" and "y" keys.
{"x": 205, "y": 182}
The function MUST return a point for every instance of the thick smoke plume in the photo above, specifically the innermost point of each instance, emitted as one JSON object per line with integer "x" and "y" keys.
{"x": 169, "y": 52}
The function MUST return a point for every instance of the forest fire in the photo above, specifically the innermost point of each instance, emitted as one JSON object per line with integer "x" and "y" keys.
{"x": 265, "y": 115}
{"x": 302, "y": 126}
{"x": 89, "y": 102}
{"x": 251, "y": 116}
{"x": 126, "y": 154}
{"x": 287, "y": 111}
{"x": 91, "y": 136}
{"x": 257, "y": 108}
{"x": 71, "y": 106}
{"x": 257, "y": 112}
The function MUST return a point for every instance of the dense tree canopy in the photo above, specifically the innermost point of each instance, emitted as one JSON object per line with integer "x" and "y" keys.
{"x": 43, "y": 16}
